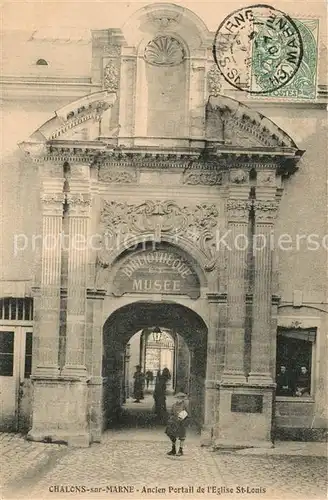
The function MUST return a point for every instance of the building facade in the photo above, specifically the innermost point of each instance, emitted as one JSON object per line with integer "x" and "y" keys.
{"x": 157, "y": 196}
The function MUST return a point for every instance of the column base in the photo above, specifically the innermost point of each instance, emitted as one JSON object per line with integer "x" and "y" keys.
{"x": 258, "y": 378}
{"x": 244, "y": 416}
{"x": 75, "y": 372}
{"x": 76, "y": 441}
{"x": 60, "y": 412}
{"x": 96, "y": 409}
{"x": 233, "y": 377}
{"x": 239, "y": 444}
{"x": 206, "y": 436}
{"x": 47, "y": 371}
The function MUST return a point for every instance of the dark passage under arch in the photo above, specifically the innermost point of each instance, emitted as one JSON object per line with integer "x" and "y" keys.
{"x": 124, "y": 323}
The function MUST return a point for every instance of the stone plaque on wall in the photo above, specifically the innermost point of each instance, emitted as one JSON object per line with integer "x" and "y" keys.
{"x": 157, "y": 271}
{"x": 247, "y": 403}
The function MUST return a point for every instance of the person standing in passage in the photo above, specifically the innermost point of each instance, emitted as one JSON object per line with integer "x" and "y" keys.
{"x": 149, "y": 377}
{"x": 138, "y": 386}
{"x": 160, "y": 396}
{"x": 177, "y": 423}
{"x": 166, "y": 374}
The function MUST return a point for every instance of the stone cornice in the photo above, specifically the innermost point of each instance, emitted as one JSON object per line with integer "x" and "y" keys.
{"x": 95, "y": 293}
{"x": 205, "y": 156}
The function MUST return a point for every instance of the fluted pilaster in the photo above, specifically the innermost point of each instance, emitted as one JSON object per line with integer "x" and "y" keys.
{"x": 47, "y": 318}
{"x": 127, "y": 95}
{"x": 212, "y": 360}
{"x": 265, "y": 213}
{"x": 196, "y": 99}
{"x": 238, "y": 216}
{"x": 78, "y": 217}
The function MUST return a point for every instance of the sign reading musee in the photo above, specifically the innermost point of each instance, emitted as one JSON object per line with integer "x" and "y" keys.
{"x": 158, "y": 271}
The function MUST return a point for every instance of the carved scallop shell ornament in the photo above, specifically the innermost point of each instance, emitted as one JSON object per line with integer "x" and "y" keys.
{"x": 164, "y": 51}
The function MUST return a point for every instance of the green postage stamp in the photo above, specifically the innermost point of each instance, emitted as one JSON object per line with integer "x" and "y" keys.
{"x": 303, "y": 84}
{"x": 265, "y": 52}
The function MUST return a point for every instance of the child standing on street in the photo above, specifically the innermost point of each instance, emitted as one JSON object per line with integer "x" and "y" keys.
{"x": 177, "y": 423}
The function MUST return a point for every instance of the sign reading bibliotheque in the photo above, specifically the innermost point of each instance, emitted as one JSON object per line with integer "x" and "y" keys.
{"x": 157, "y": 271}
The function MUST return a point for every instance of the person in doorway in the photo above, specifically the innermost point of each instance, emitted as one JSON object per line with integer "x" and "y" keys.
{"x": 303, "y": 382}
{"x": 166, "y": 374}
{"x": 138, "y": 386}
{"x": 160, "y": 396}
{"x": 149, "y": 377}
{"x": 284, "y": 384}
{"x": 177, "y": 423}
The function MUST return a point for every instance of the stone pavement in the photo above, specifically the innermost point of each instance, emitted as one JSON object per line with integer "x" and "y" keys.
{"x": 20, "y": 458}
{"x": 135, "y": 459}
{"x": 140, "y": 462}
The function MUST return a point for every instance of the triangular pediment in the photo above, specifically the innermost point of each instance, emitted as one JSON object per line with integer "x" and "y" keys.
{"x": 77, "y": 121}
{"x": 230, "y": 128}
{"x": 234, "y": 123}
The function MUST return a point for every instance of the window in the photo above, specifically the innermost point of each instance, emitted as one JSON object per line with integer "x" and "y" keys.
{"x": 41, "y": 62}
{"x": 6, "y": 354}
{"x": 294, "y": 362}
{"x": 28, "y": 355}
{"x": 14, "y": 308}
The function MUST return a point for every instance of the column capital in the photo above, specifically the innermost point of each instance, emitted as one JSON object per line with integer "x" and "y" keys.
{"x": 238, "y": 210}
{"x": 265, "y": 210}
{"x": 79, "y": 204}
{"x": 52, "y": 203}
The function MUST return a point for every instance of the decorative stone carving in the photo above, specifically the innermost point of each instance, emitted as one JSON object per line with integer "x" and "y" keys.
{"x": 117, "y": 177}
{"x": 196, "y": 224}
{"x": 79, "y": 204}
{"x": 52, "y": 203}
{"x": 84, "y": 113}
{"x": 265, "y": 211}
{"x": 296, "y": 324}
{"x": 213, "y": 81}
{"x": 111, "y": 76}
{"x": 164, "y": 21}
{"x": 238, "y": 210}
{"x": 202, "y": 178}
{"x": 265, "y": 178}
{"x": 78, "y": 199}
{"x": 56, "y": 198}
{"x": 112, "y": 50}
{"x": 238, "y": 176}
{"x": 237, "y": 135}
{"x": 248, "y": 123}
{"x": 164, "y": 51}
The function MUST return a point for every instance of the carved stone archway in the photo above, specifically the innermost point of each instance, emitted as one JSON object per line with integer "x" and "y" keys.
{"x": 125, "y": 321}
{"x": 230, "y": 180}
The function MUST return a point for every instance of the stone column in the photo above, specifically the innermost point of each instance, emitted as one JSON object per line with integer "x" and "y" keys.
{"x": 211, "y": 382}
{"x": 238, "y": 216}
{"x": 127, "y": 94}
{"x": 197, "y": 96}
{"x": 94, "y": 362}
{"x": 265, "y": 212}
{"x": 47, "y": 318}
{"x": 78, "y": 216}
{"x": 141, "y": 120}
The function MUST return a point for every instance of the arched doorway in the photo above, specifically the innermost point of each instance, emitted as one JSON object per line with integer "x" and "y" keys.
{"x": 137, "y": 316}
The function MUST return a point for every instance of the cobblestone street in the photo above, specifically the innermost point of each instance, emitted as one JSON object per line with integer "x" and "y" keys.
{"x": 136, "y": 458}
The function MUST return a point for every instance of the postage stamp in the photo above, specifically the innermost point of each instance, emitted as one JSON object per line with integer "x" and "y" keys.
{"x": 303, "y": 85}
{"x": 258, "y": 49}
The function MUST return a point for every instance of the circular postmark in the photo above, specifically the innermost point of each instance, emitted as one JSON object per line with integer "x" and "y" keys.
{"x": 258, "y": 49}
